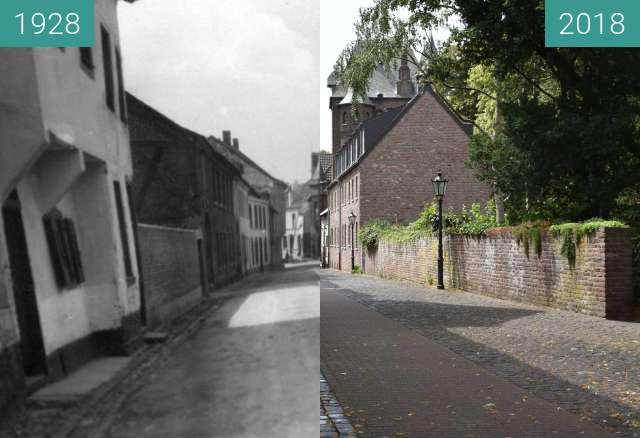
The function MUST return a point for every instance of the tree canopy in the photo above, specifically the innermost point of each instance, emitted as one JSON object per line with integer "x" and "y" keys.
{"x": 557, "y": 128}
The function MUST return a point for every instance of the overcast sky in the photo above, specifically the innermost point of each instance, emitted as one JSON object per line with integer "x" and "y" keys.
{"x": 336, "y": 31}
{"x": 256, "y": 67}
{"x": 250, "y": 66}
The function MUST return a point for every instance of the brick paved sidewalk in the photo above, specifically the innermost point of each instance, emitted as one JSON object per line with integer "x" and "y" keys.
{"x": 585, "y": 365}
{"x": 398, "y": 382}
{"x": 333, "y": 422}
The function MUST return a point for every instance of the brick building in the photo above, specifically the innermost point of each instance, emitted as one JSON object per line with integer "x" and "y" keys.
{"x": 181, "y": 181}
{"x": 384, "y": 170}
{"x": 387, "y": 89}
{"x": 68, "y": 268}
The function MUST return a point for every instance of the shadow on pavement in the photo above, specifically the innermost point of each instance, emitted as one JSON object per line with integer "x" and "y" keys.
{"x": 441, "y": 317}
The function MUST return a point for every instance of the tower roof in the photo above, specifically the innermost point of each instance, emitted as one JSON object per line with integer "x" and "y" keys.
{"x": 348, "y": 99}
{"x": 381, "y": 81}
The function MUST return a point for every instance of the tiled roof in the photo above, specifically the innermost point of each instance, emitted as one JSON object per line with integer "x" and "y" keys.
{"x": 376, "y": 127}
{"x": 381, "y": 81}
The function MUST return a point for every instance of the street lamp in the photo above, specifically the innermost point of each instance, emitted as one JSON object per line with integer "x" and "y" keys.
{"x": 439, "y": 189}
{"x": 352, "y": 222}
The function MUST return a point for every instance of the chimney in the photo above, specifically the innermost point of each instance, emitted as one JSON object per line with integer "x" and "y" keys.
{"x": 236, "y": 143}
{"x": 226, "y": 137}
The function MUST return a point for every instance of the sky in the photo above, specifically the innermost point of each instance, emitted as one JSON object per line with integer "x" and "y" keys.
{"x": 256, "y": 67}
{"x": 337, "y": 18}
{"x": 249, "y": 66}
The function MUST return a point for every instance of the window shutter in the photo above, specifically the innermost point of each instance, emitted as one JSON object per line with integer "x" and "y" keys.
{"x": 75, "y": 251}
{"x": 54, "y": 250}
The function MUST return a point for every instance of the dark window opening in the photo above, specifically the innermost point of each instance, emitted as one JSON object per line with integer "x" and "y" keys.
{"x": 86, "y": 59}
{"x": 63, "y": 249}
{"x": 124, "y": 238}
{"x": 108, "y": 68}
{"x": 121, "y": 96}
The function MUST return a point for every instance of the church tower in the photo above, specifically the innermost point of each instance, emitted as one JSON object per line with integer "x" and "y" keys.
{"x": 405, "y": 86}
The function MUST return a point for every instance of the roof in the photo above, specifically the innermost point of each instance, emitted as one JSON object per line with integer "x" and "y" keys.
{"x": 300, "y": 193}
{"x": 137, "y": 106}
{"x": 377, "y": 127}
{"x": 348, "y": 99}
{"x": 381, "y": 81}
{"x": 220, "y": 146}
{"x": 322, "y": 166}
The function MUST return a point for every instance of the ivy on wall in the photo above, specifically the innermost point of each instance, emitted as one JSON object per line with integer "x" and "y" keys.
{"x": 477, "y": 222}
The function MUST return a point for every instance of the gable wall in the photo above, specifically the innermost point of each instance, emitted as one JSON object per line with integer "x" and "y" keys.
{"x": 396, "y": 176}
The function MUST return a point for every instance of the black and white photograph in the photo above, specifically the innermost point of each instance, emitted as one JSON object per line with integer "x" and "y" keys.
{"x": 319, "y": 218}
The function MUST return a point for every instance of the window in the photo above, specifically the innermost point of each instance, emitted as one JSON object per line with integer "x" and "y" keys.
{"x": 356, "y": 187}
{"x": 121, "y": 96}
{"x": 250, "y": 216}
{"x": 344, "y": 118}
{"x": 86, "y": 59}
{"x": 63, "y": 249}
{"x": 124, "y": 238}
{"x": 108, "y": 68}
{"x": 218, "y": 197}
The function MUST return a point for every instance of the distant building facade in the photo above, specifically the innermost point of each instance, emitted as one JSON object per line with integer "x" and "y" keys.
{"x": 384, "y": 170}
{"x": 265, "y": 185}
{"x": 260, "y": 228}
{"x": 69, "y": 287}
{"x": 293, "y": 240}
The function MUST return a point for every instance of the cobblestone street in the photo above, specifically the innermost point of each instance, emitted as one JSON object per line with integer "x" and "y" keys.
{"x": 558, "y": 362}
{"x": 250, "y": 370}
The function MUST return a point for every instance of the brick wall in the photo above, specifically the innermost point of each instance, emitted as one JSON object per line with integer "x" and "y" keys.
{"x": 599, "y": 284}
{"x": 171, "y": 271}
{"x": 396, "y": 175}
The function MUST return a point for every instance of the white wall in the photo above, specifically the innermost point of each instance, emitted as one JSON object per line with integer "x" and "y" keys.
{"x": 259, "y": 233}
{"x": 72, "y": 105}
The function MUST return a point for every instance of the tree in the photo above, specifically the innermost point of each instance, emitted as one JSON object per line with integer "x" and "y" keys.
{"x": 567, "y": 142}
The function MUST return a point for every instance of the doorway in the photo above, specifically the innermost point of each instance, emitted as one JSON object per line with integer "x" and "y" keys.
{"x": 31, "y": 342}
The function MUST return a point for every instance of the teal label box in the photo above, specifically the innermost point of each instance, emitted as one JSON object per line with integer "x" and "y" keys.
{"x": 592, "y": 23}
{"x": 46, "y": 23}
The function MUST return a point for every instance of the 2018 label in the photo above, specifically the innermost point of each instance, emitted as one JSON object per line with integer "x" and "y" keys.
{"x": 582, "y": 23}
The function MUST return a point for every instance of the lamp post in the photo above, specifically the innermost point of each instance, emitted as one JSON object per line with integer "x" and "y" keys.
{"x": 439, "y": 190}
{"x": 352, "y": 221}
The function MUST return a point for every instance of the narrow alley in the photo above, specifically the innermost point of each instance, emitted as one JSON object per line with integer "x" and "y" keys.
{"x": 250, "y": 371}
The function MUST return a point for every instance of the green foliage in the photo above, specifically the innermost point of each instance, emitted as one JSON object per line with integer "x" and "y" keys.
{"x": 559, "y": 131}
{"x": 526, "y": 234}
{"x": 628, "y": 209}
{"x": 573, "y": 233}
{"x": 357, "y": 270}
{"x": 472, "y": 222}
{"x": 371, "y": 233}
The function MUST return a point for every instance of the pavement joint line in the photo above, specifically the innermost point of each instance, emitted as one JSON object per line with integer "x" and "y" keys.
{"x": 340, "y": 426}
